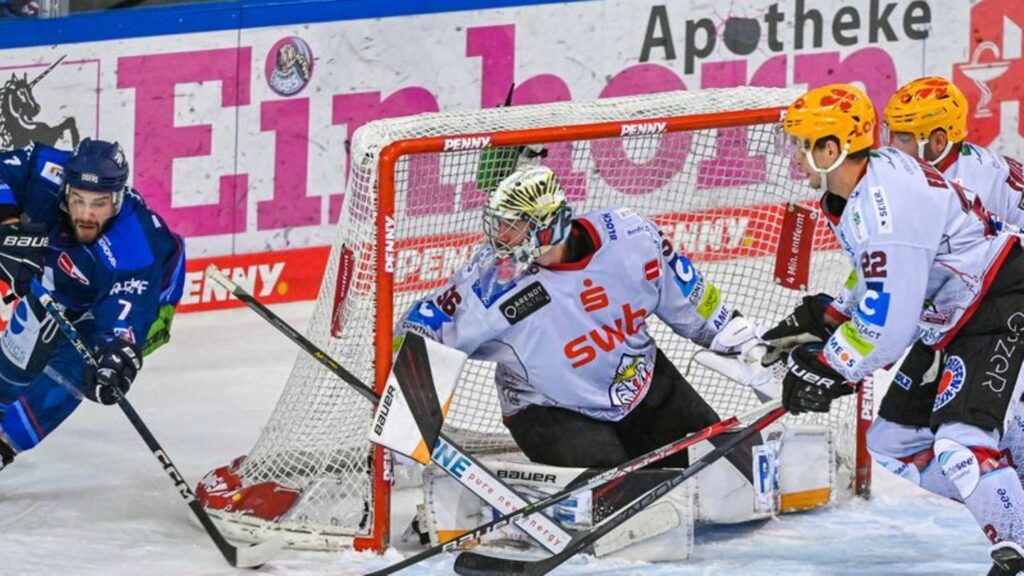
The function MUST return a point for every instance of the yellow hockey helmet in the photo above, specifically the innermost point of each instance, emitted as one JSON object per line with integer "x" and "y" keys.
{"x": 839, "y": 110}
{"x": 924, "y": 105}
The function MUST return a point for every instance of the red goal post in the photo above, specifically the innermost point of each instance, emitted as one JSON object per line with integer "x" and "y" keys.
{"x": 702, "y": 165}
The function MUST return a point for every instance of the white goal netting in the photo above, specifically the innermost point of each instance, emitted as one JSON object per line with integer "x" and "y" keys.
{"x": 719, "y": 191}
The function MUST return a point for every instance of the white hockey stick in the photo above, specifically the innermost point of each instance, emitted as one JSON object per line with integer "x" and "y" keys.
{"x": 475, "y": 564}
{"x": 593, "y": 482}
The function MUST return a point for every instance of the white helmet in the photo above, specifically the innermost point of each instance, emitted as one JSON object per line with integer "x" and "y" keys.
{"x": 526, "y": 214}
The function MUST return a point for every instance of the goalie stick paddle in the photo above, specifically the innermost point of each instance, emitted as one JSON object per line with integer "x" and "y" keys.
{"x": 603, "y": 477}
{"x": 475, "y": 564}
{"x": 241, "y": 557}
{"x": 487, "y": 486}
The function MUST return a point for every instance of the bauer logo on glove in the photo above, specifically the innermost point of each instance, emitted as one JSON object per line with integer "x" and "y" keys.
{"x": 810, "y": 383}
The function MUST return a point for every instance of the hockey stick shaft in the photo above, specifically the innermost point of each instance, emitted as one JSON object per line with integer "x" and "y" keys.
{"x": 487, "y": 486}
{"x": 247, "y": 557}
{"x": 473, "y": 564}
{"x": 603, "y": 478}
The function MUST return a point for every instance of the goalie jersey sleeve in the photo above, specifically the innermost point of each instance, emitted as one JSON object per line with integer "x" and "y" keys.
{"x": 922, "y": 249}
{"x": 575, "y": 335}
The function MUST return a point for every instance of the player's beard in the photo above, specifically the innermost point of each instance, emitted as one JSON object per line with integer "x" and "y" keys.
{"x": 86, "y": 231}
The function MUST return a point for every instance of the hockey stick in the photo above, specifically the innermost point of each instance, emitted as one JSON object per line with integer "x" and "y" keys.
{"x": 475, "y": 564}
{"x": 593, "y": 482}
{"x": 241, "y": 557}
{"x": 446, "y": 454}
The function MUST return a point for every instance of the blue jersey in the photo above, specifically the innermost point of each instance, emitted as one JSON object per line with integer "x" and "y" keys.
{"x": 123, "y": 278}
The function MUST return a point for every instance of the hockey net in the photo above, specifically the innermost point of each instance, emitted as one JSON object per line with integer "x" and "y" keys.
{"x": 702, "y": 164}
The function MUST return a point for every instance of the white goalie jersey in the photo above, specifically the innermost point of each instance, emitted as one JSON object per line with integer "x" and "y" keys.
{"x": 574, "y": 335}
{"x": 923, "y": 253}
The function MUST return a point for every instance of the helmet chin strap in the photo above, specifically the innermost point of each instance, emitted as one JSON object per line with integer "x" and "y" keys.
{"x": 920, "y": 151}
{"x": 823, "y": 172}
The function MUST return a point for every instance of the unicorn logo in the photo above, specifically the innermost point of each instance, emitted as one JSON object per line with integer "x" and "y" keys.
{"x": 18, "y": 111}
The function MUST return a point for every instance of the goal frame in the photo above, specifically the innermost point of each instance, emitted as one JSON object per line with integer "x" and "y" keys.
{"x": 386, "y": 256}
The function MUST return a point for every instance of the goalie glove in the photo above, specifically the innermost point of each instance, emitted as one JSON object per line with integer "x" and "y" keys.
{"x": 805, "y": 324}
{"x": 736, "y": 353}
{"x": 738, "y": 336}
{"x": 810, "y": 384}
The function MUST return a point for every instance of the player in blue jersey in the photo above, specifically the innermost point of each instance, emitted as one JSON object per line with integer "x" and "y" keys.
{"x": 71, "y": 220}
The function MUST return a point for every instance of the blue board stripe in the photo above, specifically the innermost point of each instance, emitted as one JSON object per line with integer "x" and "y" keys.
{"x": 214, "y": 16}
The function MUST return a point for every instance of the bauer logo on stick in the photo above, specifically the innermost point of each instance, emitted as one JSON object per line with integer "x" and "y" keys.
{"x": 417, "y": 396}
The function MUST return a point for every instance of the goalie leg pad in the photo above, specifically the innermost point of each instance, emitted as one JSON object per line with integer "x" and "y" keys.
{"x": 790, "y": 471}
{"x": 807, "y": 459}
{"x": 741, "y": 487}
{"x": 663, "y": 532}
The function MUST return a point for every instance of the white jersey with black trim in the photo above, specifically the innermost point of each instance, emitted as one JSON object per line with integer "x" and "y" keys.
{"x": 575, "y": 335}
{"x": 997, "y": 180}
{"x": 924, "y": 254}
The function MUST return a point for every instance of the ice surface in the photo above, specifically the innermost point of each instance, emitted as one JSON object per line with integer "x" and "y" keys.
{"x": 92, "y": 500}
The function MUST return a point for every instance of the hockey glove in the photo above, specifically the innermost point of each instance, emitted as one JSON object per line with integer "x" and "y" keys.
{"x": 806, "y": 323}
{"x": 738, "y": 336}
{"x": 22, "y": 251}
{"x": 810, "y": 384}
{"x": 118, "y": 362}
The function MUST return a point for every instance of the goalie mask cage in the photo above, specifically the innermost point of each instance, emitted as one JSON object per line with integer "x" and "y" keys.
{"x": 703, "y": 165}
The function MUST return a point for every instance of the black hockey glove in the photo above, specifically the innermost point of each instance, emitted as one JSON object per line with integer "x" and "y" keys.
{"x": 22, "y": 251}
{"x": 119, "y": 361}
{"x": 810, "y": 384}
{"x": 805, "y": 324}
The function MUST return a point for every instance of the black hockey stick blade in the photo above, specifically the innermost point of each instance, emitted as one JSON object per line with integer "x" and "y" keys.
{"x": 251, "y": 557}
{"x": 473, "y": 564}
{"x": 476, "y": 564}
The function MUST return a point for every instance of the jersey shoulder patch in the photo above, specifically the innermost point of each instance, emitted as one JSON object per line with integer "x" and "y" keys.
{"x": 49, "y": 163}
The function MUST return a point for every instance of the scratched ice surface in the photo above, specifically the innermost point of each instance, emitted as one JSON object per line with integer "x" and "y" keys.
{"x": 91, "y": 500}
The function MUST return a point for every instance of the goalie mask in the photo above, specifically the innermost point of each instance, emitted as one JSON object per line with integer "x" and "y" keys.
{"x": 924, "y": 106}
{"x": 98, "y": 166}
{"x": 524, "y": 217}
